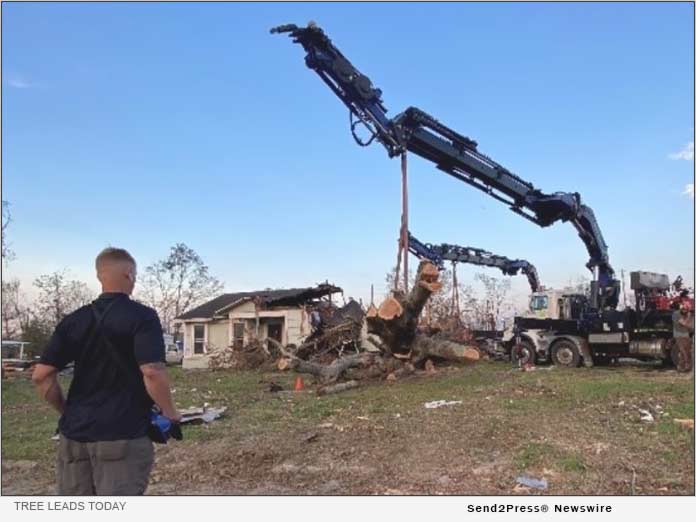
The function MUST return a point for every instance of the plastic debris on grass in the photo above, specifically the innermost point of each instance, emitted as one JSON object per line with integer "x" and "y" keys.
{"x": 198, "y": 415}
{"x": 440, "y": 404}
{"x": 531, "y": 482}
{"x": 646, "y": 416}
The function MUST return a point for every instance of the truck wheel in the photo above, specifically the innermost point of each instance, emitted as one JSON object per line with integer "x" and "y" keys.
{"x": 523, "y": 353}
{"x": 565, "y": 353}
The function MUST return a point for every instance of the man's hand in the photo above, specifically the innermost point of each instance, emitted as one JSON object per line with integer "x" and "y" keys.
{"x": 157, "y": 385}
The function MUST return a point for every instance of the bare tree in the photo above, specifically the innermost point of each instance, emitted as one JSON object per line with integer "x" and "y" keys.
{"x": 7, "y": 254}
{"x": 16, "y": 313}
{"x": 496, "y": 291}
{"x": 58, "y": 296}
{"x": 580, "y": 285}
{"x": 390, "y": 279}
{"x": 178, "y": 283}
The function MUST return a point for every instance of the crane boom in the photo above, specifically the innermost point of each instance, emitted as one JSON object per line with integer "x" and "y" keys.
{"x": 418, "y": 132}
{"x": 438, "y": 254}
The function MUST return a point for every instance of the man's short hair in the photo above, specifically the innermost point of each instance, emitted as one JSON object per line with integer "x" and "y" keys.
{"x": 111, "y": 255}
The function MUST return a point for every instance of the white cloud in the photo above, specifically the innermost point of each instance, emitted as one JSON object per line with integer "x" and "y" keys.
{"x": 687, "y": 153}
{"x": 689, "y": 190}
{"x": 18, "y": 82}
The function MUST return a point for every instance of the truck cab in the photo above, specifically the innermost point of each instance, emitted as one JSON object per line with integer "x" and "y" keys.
{"x": 556, "y": 304}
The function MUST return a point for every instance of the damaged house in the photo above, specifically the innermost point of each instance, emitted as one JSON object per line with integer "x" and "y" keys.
{"x": 238, "y": 318}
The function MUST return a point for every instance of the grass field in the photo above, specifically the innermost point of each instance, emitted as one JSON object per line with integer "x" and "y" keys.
{"x": 579, "y": 429}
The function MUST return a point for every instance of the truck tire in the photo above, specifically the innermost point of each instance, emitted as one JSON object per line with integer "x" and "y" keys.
{"x": 565, "y": 353}
{"x": 523, "y": 353}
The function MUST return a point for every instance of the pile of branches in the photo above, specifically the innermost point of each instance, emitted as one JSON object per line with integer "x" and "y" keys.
{"x": 390, "y": 344}
{"x": 337, "y": 334}
{"x": 253, "y": 355}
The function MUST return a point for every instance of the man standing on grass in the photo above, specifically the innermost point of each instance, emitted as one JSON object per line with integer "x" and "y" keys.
{"x": 118, "y": 351}
{"x": 683, "y": 325}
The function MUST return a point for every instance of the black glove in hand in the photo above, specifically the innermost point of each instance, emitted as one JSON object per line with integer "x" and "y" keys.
{"x": 175, "y": 431}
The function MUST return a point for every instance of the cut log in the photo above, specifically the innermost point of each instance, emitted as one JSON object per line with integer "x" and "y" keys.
{"x": 405, "y": 370}
{"x": 398, "y": 330}
{"x": 331, "y": 372}
{"x": 431, "y": 287}
{"x": 390, "y": 330}
{"x": 396, "y": 325}
{"x": 429, "y": 273}
{"x": 390, "y": 309}
{"x": 337, "y": 388}
{"x": 425, "y": 347}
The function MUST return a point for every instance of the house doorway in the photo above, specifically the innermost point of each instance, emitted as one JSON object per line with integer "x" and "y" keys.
{"x": 275, "y": 331}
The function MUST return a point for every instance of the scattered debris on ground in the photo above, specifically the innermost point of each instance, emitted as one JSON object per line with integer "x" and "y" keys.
{"x": 531, "y": 482}
{"x": 646, "y": 416}
{"x": 201, "y": 415}
{"x": 478, "y": 447}
{"x": 439, "y": 404}
{"x": 685, "y": 423}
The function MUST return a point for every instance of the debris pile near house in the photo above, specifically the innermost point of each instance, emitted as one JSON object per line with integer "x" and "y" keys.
{"x": 248, "y": 357}
{"x": 256, "y": 351}
{"x": 387, "y": 342}
{"x": 336, "y": 332}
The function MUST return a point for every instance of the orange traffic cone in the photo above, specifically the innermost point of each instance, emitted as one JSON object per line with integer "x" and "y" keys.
{"x": 299, "y": 384}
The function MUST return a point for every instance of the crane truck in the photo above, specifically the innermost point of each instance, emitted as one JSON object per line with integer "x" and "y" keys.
{"x": 581, "y": 327}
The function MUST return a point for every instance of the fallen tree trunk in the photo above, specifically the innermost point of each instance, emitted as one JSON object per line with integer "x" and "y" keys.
{"x": 392, "y": 331}
{"x": 326, "y": 373}
{"x": 396, "y": 320}
{"x": 424, "y": 347}
{"x": 337, "y": 388}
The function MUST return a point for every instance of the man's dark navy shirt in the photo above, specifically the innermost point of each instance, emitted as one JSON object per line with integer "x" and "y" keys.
{"x": 105, "y": 403}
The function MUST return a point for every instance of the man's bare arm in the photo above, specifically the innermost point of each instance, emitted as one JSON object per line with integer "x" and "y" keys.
{"x": 157, "y": 385}
{"x": 45, "y": 378}
{"x": 687, "y": 323}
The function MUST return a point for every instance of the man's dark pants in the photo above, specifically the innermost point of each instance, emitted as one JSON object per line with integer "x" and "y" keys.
{"x": 685, "y": 361}
{"x": 118, "y": 467}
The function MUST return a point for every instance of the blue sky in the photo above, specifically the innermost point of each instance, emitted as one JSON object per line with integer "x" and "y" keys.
{"x": 143, "y": 125}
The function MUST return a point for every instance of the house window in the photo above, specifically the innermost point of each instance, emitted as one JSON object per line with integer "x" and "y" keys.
{"x": 198, "y": 338}
{"x": 238, "y": 335}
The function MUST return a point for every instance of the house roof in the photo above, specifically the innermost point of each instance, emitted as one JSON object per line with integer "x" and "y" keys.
{"x": 280, "y": 297}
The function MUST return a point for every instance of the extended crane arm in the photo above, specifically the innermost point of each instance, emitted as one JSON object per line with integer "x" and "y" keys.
{"x": 416, "y": 131}
{"x": 438, "y": 254}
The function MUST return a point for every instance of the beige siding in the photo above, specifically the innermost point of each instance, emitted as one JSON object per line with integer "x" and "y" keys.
{"x": 218, "y": 335}
{"x": 244, "y": 307}
{"x": 294, "y": 329}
